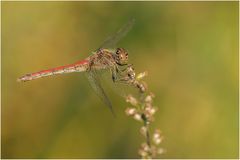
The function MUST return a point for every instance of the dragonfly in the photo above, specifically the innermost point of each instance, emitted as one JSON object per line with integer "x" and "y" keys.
{"x": 104, "y": 58}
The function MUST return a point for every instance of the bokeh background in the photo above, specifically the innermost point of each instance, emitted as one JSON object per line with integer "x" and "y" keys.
{"x": 190, "y": 50}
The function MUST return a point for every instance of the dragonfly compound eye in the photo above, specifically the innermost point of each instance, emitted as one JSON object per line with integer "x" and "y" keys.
{"x": 121, "y": 56}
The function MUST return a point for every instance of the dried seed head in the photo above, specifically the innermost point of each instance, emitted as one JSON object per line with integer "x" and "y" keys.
{"x": 157, "y": 138}
{"x": 132, "y": 100}
{"x": 148, "y": 105}
{"x": 161, "y": 151}
{"x": 145, "y": 147}
{"x": 148, "y": 99}
{"x": 157, "y": 133}
{"x": 142, "y": 153}
{"x": 149, "y": 119}
{"x": 130, "y": 111}
{"x": 153, "y": 110}
{"x": 137, "y": 117}
{"x": 157, "y": 141}
{"x": 150, "y": 110}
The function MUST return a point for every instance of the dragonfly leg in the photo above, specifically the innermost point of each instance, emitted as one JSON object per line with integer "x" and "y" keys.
{"x": 127, "y": 67}
{"x": 114, "y": 72}
{"x": 126, "y": 75}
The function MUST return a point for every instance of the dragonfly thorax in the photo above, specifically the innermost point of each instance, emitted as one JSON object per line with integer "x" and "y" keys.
{"x": 121, "y": 56}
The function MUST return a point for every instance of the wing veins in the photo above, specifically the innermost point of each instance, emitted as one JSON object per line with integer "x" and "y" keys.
{"x": 96, "y": 85}
{"x": 115, "y": 38}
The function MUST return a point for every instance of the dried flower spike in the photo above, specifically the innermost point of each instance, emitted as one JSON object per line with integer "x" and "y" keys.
{"x": 144, "y": 112}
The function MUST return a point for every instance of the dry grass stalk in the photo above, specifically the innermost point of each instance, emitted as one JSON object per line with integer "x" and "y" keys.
{"x": 143, "y": 111}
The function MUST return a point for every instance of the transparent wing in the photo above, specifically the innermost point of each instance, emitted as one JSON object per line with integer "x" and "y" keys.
{"x": 111, "y": 41}
{"x": 95, "y": 82}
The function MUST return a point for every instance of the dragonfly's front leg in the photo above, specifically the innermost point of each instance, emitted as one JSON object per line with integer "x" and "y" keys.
{"x": 129, "y": 72}
{"x": 114, "y": 72}
{"x": 125, "y": 75}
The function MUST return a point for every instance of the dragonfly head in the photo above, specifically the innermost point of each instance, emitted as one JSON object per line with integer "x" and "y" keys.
{"x": 121, "y": 56}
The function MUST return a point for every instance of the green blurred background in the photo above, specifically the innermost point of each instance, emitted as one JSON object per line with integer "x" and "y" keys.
{"x": 190, "y": 50}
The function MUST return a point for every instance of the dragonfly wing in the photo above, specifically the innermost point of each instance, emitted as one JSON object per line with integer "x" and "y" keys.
{"x": 95, "y": 82}
{"x": 115, "y": 38}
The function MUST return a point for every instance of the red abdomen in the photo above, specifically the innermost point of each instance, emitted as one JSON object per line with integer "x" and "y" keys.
{"x": 79, "y": 66}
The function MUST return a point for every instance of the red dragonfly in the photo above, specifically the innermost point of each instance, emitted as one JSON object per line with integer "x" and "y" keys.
{"x": 101, "y": 59}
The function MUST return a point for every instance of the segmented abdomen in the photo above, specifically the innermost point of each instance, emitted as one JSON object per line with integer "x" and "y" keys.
{"x": 75, "y": 67}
